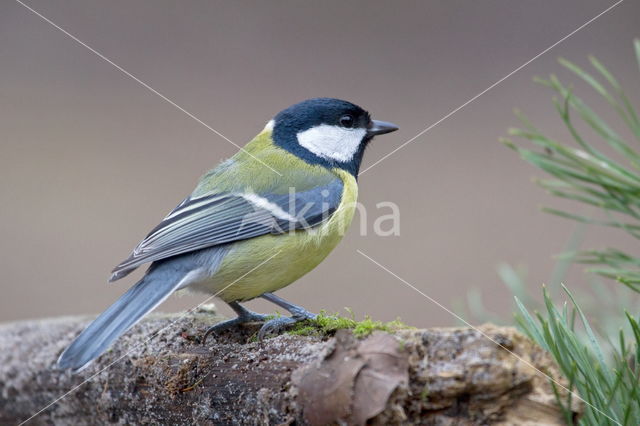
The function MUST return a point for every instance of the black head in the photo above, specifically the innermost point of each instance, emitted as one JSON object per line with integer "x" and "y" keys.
{"x": 327, "y": 132}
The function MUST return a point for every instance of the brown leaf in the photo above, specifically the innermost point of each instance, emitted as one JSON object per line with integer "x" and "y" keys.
{"x": 386, "y": 368}
{"x": 325, "y": 389}
{"x": 353, "y": 382}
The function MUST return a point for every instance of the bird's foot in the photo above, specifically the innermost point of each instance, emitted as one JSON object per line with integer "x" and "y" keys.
{"x": 245, "y": 317}
{"x": 271, "y": 325}
{"x": 277, "y": 325}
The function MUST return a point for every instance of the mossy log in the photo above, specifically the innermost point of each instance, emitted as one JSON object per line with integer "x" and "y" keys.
{"x": 160, "y": 373}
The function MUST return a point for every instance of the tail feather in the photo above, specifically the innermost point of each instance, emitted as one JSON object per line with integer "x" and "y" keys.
{"x": 142, "y": 298}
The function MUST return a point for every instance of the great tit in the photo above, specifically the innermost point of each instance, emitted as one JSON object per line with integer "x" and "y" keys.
{"x": 254, "y": 224}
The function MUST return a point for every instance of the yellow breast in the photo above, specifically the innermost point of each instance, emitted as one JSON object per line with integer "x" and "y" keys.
{"x": 270, "y": 262}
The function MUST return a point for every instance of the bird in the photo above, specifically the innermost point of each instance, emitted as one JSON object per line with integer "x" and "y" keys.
{"x": 254, "y": 224}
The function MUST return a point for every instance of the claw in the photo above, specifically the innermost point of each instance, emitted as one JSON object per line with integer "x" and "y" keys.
{"x": 275, "y": 326}
{"x": 244, "y": 316}
{"x": 271, "y": 325}
{"x": 221, "y": 326}
{"x": 278, "y": 325}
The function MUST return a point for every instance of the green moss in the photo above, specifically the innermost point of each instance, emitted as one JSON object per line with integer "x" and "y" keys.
{"x": 324, "y": 325}
{"x": 424, "y": 395}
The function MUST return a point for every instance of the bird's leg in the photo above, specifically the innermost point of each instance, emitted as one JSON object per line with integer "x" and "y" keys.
{"x": 298, "y": 313}
{"x": 295, "y": 310}
{"x": 244, "y": 316}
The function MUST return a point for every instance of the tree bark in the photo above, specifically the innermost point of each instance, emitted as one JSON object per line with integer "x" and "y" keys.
{"x": 160, "y": 373}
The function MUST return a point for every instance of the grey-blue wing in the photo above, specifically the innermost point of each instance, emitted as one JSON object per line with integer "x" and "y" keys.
{"x": 216, "y": 219}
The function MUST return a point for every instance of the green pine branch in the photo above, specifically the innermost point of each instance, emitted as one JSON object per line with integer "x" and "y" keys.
{"x": 581, "y": 170}
{"x": 600, "y": 169}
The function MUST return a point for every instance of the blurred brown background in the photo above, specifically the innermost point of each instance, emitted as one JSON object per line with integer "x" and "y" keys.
{"x": 90, "y": 160}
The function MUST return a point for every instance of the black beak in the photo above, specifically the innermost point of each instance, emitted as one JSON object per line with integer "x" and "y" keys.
{"x": 378, "y": 127}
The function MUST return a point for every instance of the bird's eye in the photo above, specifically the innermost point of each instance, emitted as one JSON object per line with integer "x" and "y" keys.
{"x": 346, "y": 121}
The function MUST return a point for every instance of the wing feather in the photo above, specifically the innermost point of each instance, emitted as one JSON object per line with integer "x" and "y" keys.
{"x": 220, "y": 218}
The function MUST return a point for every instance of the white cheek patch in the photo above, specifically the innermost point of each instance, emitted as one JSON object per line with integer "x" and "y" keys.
{"x": 332, "y": 142}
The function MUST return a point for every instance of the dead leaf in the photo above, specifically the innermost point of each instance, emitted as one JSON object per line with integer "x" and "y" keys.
{"x": 353, "y": 382}
{"x": 326, "y": 388}
{"x": 386, "y": 368}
